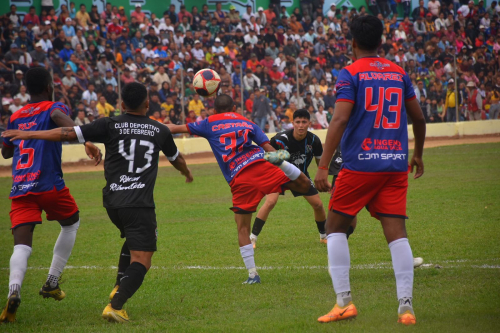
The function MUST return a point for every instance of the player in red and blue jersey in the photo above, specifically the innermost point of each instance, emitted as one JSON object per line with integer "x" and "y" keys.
{"x": 245, "y": 167}
{"x": 37, "y": 184}
{"x": 373, "y": 98}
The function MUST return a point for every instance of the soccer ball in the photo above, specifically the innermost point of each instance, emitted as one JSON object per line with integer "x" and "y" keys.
{"x": 206, "y": 82}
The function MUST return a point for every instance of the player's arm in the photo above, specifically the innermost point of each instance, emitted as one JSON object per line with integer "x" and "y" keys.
{"x": 177, "y": 129}
{"x": 180, "y": 164}
{"x": 333, "y": 136}
{"x": 63, "y": 120}
{"x": 56, "y": 134}
{"x": 417, "y": 117}
{"x": 175, "y": 158}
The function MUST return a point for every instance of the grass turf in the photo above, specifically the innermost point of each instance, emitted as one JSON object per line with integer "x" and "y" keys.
{"x": 454, "y": 223}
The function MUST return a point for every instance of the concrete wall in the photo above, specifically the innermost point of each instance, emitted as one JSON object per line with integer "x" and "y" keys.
{"x": 75, "y": 153}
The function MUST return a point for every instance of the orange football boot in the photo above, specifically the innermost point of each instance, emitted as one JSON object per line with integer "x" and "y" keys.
{"x": 347, "y": 312}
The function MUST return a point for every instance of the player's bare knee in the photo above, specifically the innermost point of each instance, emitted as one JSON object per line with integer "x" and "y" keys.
{"x": 270, "y": 204}
{"x": 318, "y": 206}
{"x": 303, "y": 183}
{"x": 23, "y": 235}
{"x": 70, "y": 221}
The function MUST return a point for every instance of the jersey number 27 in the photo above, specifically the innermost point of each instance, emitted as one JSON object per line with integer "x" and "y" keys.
{"x": 382, "y": 96}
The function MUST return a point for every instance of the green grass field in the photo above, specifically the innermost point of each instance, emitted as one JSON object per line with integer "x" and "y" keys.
{"x": 195, "y": 285}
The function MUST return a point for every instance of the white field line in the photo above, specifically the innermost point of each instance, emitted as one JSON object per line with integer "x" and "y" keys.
{"x": 461, "y": 263}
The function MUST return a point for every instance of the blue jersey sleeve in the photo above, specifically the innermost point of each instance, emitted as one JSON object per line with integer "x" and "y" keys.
{"x": 59, "y": 106}
{"x": 258, "y": 135}
{"x": 200, "y": 128}
{"x": 409, "y": 91}
{"x": 346, "y": 91}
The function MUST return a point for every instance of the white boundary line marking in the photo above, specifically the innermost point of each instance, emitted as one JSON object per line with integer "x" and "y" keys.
{"x": 461, "y": 263}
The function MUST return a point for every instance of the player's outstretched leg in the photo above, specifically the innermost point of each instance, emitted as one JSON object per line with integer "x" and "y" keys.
{"x": 402, "y": 262}
{"x": 243, "y": 222}
{"x": 62, "y": 250}
{"x": 123, "y": 264}
{"x": 319, "y": 215}
{"x": 23, "y": 236}
{"x": 262, "y": 216}
{"x": 140, "y": 262}
{"x": 339, "y": 263}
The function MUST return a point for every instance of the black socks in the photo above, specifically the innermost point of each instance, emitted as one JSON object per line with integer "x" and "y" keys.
{"x": 321, "y": 227}
{"x": 130, "y": 282}
{"x": 123, "y": 263}
{"x": 257, "y": 226}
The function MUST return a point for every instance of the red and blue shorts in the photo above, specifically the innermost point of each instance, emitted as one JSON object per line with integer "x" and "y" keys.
{"x": 383, "y": 194}
{"x": 253, "y": 183}
{"x": 58, "y": 205}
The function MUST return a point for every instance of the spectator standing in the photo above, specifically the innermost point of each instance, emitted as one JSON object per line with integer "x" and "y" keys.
{"x": 261, "y": 109}
{"x": 474, "y": 102}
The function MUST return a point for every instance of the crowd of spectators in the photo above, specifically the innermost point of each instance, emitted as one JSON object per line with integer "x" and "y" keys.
{"x": 283, "y": 61}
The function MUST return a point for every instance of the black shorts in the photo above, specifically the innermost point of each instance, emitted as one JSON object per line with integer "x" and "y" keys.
{"x": 312, "y": 191}
{"x": 137, "y": 226}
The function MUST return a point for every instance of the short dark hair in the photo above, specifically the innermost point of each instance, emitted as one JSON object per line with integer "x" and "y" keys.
{"x": 367, "y": 32}
{"x": 223, "y": 103}
{"x": 134, "y": 95}
{"x": 37, "y": 80}
{"x": 301, "y": 113}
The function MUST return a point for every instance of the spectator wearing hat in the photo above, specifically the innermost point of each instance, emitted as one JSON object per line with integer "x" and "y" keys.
{"x": 474, "y": 101}
{"x": 39, "y": 56}
{"x": 138, "y": 14}
{"x": 449, "y": 109}
{"x": 124, "y": 37}
{"x": 69, "y": 30}
{"x": 262, "y": 16}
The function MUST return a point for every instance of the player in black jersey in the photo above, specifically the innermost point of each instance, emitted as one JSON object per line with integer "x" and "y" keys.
{"x": 303, "y": 147}
{"x": 133, "y": 142}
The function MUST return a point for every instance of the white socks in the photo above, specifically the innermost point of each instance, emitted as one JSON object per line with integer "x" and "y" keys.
{"x": 248, "y": 258}
{"x": 62, "y": 251}
{"x": 290, "y": 170}
{"x": 339, "y": 263}
{"x": 402, "y": 262}
{"x": 18, "y": 267}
